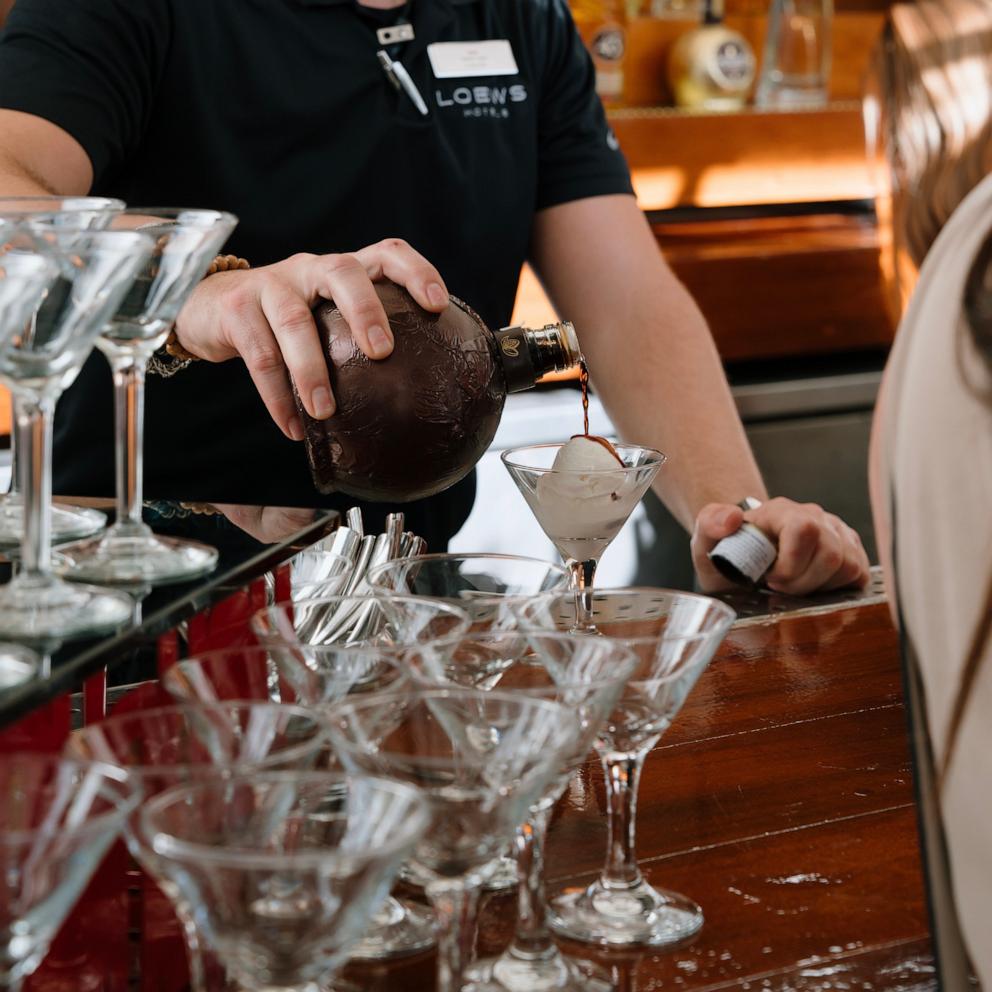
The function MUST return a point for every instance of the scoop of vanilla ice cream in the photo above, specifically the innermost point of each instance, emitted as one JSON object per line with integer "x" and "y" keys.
{"x": 581, "y": 469}
{"x": 581, "y": 497}
{"x": 583, "y": 454}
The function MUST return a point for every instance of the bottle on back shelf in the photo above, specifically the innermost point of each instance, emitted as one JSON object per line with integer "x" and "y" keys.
{"x": 415, "y": 423}
{"x": 711, "y": 67}
{"x": 602, "y": 25}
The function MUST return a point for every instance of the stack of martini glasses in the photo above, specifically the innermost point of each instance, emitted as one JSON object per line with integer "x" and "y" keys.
{"x": 78, "y": 273}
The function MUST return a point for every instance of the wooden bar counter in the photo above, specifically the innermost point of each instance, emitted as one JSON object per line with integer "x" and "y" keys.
{"x": 782, "y": 801}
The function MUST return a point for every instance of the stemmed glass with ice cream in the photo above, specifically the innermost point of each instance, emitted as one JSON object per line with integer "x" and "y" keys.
{"x": 582, "y": 492}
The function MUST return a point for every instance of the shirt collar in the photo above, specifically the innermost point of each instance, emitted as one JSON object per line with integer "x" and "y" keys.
{"x": 428, "y": 17}
{"x": 338, "y": 3}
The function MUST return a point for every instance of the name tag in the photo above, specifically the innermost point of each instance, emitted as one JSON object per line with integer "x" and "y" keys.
{"x": 458, "y": 59}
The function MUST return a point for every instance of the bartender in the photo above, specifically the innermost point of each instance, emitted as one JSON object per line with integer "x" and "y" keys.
{"x": 356, "y": 141}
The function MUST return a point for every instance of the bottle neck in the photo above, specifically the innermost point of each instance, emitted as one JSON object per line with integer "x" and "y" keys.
{"x": 527, "y": 353}
{"x": 712, "y": 11}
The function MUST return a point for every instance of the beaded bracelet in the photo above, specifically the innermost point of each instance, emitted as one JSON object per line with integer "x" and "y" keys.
{"x": 222, "y": 263}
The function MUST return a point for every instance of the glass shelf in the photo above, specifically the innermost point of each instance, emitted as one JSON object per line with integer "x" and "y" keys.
{"x": 129, "y": 654}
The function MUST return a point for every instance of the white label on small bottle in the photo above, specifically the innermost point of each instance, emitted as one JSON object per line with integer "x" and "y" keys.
{"x": 734, "y": 64}
{"x": 608, "y": 44}
{"x": 746, "y": 554}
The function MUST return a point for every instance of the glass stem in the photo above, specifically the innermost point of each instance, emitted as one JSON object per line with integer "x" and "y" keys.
{"x": 455, "y": 903}
{"x": 532, "y": 938}
{"x": 624, "y": 975}
{"x": 623, "y": 775}
{"x": 15, "y": 482}
{"x": 197, "y": 975}
{"x": 309, "y": 987}
{"x": 581, "y": 576}
{"x": 33, "y": 422}
{"x": 129, "y": 425}
{"x": 16, "y": 486}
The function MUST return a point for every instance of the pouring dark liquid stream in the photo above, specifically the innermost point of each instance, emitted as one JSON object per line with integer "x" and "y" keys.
{"x": 584, "y": 382}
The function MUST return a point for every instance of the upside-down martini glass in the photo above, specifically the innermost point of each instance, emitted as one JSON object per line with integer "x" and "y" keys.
{"x": 582, "y": 511}
{"x": 81, "y": 212}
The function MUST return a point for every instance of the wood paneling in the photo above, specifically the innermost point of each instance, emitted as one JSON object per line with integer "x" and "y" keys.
{"x": 771, "y": 287}
{"x": 785, "y": 286}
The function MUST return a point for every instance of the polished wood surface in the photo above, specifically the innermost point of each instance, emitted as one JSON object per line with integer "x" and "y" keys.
{"x": 752, "y": 156}
{"x": 783, "y": 286}
{"x": 770, "y": 287}
{"x": 782, "y": 801}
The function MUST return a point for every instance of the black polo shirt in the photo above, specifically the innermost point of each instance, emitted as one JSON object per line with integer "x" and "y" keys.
{"x": 279, "y": 111}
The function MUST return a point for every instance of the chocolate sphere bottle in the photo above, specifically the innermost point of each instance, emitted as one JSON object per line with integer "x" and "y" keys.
{"x": 414, "y": 423}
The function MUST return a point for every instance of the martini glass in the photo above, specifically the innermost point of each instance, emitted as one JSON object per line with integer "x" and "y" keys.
{"x": 384, "y": 620}
{"x": 228, "y": 674}
{"x": 482, "y": 759}
{"x": 586, "y": 675}
{"x": 311, "y": 677}
{"x": 57, "y": 820}
{"x": 314, "y": 676}
{"x": 94, "y": 272}
{"x": 674, "y": 635}
{"x": 491, "y": 589}
{"x": 174, "y": 745}
{"x": 79, "y": 212}
{"x": 320, "y": 672}
{"x": 185, "y": 242}
{"x": 582, "y": 511}
{"x": 282, "y": 871}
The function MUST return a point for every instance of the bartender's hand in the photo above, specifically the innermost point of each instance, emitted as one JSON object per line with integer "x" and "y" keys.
{"x": 264, "y": 316}
{"x": 267, "y": 524}
{"x": 816, "y": 550}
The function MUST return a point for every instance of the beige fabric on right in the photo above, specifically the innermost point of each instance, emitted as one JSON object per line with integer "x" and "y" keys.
{"x": 932, "y": 458}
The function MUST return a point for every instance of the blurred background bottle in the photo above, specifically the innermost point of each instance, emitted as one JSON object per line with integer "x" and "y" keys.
{"x": 602, "y": 25}
{"x": 795, "y": 69}
{"x": 711, "y": 67}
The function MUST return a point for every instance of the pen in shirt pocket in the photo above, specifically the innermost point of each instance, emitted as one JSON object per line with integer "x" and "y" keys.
{"x": 396, "y": 73}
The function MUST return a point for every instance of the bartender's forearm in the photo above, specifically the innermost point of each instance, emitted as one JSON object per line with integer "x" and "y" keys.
{"x": 38, "y": 158}
{"x": 17, "y": 180}
{"x": 651, "y": 356}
